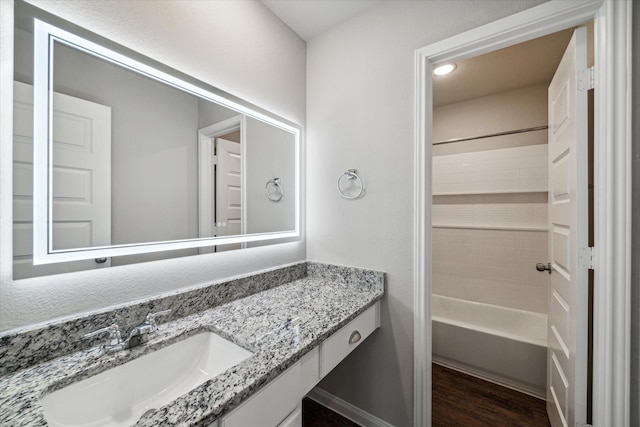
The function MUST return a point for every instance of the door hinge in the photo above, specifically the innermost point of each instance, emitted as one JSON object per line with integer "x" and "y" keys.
{"x": 581, "y": 424}
{"x": 586, "y": 79}
{"x": 215, "y": 160}
{"x": 586, "y": 258}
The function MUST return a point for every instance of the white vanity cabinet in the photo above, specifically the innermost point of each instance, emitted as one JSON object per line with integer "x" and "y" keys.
{"x": 335, "y": 348}
{"x": 271, "y": 405}
{"x": 279, "y": 403}
{"x": 294, "y": 419}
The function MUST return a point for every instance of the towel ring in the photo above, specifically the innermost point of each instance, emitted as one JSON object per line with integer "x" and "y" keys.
{"x": 277, "y": 193}
{"x": 352, "y": 177}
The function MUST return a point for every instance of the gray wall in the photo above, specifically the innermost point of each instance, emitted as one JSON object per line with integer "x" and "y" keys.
{"x": 210, "y": 113}
{"x": 270, "y": 154}
{"x": 361, "y": 115}
{"x": 270, "y": 73}
{"x": 154, "y": 148}
{"x": 635, "y": 225}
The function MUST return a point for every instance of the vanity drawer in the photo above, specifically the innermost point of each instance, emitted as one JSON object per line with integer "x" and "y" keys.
{"x": 271, "y": 405}
{"x": 339, "y": 345}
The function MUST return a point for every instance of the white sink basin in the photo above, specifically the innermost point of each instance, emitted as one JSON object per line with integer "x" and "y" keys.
{"x": 119, "y": 396}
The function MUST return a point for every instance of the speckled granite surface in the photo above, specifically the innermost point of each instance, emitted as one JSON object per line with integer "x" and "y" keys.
{"x": 21, "y": 349}
{"x": 321, "y": 302}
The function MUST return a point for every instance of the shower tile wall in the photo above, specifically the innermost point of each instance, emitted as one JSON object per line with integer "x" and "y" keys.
{"x": 490, "y": 201}
{"x": 491, "y": 266}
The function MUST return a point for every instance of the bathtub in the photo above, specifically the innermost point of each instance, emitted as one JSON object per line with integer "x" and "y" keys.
{"x": 498, "y": 344}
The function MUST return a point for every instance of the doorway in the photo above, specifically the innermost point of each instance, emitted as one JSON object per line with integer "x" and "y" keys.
{"x": 611, "y": 178}
{"x": 221, "y": 159}
{"x": 490, "y": 186}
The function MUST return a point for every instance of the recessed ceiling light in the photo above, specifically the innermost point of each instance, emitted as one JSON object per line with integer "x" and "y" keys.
{"x": 445, "y": 69}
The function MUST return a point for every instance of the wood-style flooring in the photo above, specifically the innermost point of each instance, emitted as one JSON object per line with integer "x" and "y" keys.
{"x": 317, "y": 415}
{"x": 459, "y": 400}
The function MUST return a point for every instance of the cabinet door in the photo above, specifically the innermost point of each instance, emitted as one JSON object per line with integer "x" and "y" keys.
{"x": 271, "y": 405}
{"x": 294, "y": 419}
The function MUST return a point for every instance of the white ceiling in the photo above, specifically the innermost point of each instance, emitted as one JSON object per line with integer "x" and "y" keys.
{"x": 514, "y": 67}
{"x": 308, "y": 18}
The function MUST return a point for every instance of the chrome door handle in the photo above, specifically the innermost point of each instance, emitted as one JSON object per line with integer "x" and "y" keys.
{"x": 541, "y": 267}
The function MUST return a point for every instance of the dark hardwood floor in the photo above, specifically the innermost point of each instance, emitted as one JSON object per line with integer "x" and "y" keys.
{"x": 459, "y": 400}
{"x": 462, "y": 400}
{"x": 316, "y": 415}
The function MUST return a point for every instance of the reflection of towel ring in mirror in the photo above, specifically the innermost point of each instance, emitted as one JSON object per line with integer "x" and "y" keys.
{"x": 354, "y": 179}
{"x": 277, "y": 193}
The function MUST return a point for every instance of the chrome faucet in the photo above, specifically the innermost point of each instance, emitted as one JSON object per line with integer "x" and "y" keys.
{"x": 139, "y": 334}
{"x": 136, "y": 336}
{"x": 114, "y": 340}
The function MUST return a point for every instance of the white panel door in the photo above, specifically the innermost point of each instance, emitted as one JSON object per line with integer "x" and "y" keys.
{"x": 81, "y": 180}
{"x": 568, "y": 233}
{"x": 228, "y": 191}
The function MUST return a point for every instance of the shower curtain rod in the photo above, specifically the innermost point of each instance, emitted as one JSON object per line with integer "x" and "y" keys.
{"x": 509, "y": 132}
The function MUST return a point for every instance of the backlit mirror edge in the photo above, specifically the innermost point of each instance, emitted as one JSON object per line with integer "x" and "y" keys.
{"x": 43, "y": 253}
{"x": 140, "y": 248}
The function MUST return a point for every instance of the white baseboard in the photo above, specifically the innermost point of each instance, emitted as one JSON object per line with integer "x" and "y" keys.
{"x": 346, "y": 409}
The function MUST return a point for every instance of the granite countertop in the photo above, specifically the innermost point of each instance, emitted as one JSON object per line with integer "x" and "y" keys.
{"x": 318, "y": 305}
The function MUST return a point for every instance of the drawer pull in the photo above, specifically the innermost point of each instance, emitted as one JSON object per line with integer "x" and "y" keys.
{"x": 355, "y": 337}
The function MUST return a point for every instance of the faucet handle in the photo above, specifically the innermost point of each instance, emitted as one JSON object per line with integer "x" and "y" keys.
{"x": 114, "y": 337}
{"x": 151, "y": 318}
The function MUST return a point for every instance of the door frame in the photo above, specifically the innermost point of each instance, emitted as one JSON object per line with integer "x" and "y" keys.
{"x": 206, "y": 173}
{"x": 612, "y": 188}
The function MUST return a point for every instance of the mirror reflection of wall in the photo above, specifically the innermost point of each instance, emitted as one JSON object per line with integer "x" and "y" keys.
{"x": 268, "y": 151}
{"x": 148, "y": 192}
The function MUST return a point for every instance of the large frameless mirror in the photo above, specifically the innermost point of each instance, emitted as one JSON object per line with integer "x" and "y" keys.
{"x": 128, "y": 160}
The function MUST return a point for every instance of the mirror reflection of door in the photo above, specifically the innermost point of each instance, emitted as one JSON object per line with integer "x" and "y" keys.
{"x": 228, "y": 189}
{"x": 220, "y": 181}
{"x": 82, "y": 190}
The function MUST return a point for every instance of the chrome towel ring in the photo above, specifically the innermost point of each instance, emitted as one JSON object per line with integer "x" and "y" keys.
{"x": 274, "y": 190}
{"x": 350, "y": 185}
